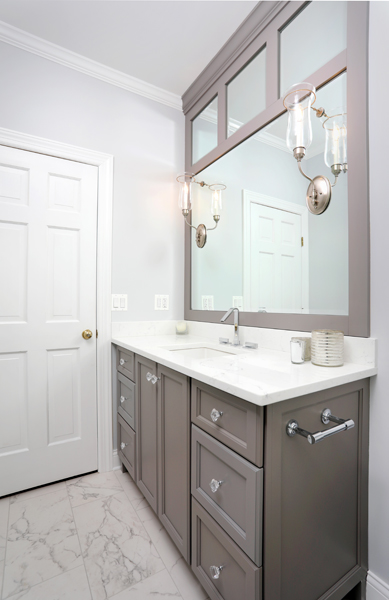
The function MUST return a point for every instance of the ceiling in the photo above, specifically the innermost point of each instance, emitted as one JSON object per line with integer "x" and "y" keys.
{"x": 163, "y": 42}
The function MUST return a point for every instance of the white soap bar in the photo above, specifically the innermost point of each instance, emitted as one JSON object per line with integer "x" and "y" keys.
{"x": 181, "y": 327}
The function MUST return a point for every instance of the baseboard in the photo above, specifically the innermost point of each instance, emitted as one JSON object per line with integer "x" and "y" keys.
{"x": 376, "y": 589}
{"x": 116, "y": 464}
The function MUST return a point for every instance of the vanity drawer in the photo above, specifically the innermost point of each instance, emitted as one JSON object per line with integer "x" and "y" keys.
{"x": 237, "y": 503}
{"x": 212, "y": 547}
{"x": 239, "y": 426}
{"x": 126, "y": 446}
{"x": 126, "y": 399}
{"x": 126, "y": 363}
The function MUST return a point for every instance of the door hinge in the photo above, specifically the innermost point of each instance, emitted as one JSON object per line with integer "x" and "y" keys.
{"x": 97, "y": 333}
{"x": 302, "y": 242}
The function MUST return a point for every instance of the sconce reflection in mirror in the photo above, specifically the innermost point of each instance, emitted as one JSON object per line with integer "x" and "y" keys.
{"x": 185, "y": 203}
{"x": 298, "y": 100}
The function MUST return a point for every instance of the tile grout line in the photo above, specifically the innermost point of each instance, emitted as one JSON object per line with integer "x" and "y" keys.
{"x": 78, "y": 537}
{"x": 5, "y": 550}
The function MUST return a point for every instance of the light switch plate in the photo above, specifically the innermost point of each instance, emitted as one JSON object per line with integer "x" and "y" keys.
{"x": 119, "y": 302}
{"x": 207, "y": 302}
{"x": 161, "y": 302}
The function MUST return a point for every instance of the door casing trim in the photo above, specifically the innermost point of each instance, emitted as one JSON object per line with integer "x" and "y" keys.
{"x": 104, "y": 162}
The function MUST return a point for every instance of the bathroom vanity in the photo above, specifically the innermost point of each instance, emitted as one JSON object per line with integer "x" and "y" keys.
{"x": 257, "y": 513}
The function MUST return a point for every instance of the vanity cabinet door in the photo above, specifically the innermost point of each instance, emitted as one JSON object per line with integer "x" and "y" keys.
{"x": 315, "y": 520}
{"x": 146, "y": 427}
{"x": 174, "y": 456}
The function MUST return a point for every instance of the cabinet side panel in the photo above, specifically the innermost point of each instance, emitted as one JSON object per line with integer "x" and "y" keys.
{"x": 314, "y": 496}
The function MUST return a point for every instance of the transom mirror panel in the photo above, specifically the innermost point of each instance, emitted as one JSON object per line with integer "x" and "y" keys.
{"x": 204, "y": 131}
{"x": 269, "y": 253}
{"x": 246, "y": 93}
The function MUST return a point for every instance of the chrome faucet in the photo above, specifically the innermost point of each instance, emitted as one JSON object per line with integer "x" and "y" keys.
{"x": 235, "y": 341}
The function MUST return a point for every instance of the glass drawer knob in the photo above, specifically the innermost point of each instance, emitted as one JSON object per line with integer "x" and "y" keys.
{"x": 123, "y": 445}
{"x": 122, "y": 361}
{"x": 214, "y": 485}
{"x": 215, "y": 571}
{"x": 215, "y": 415}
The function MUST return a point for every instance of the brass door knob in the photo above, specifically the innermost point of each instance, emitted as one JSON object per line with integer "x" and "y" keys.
{"x": 87, "y": 334}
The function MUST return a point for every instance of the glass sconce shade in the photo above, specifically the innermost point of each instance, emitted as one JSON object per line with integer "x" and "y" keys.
{"x": 335, "y": 127}
{"x": 298, "y": 100}
{"x": 216, "y": 204}
{"x": 185, "y": 197}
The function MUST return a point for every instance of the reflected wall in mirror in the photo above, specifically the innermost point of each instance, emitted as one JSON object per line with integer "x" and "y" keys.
{"x": 270, "y": 254}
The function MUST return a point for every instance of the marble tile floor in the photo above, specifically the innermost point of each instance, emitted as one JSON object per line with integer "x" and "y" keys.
{"x": 89, "y": 538}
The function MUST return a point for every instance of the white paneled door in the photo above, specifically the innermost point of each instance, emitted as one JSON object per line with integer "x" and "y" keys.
{"x": 275, "y": 260}
{"x": 48, "y": 221}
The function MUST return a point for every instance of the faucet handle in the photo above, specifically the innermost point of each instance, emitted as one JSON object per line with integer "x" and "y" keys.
{"x": 224, "y": 340}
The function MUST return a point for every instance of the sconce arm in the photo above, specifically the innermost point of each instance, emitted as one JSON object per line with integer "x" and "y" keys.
{"x": 335, "y": 182}
{"x": 212, "y": 228}
{"x": 190, "y": 225}
{"x": 302, "y": 172}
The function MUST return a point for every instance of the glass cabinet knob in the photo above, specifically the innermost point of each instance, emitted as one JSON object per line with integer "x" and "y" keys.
{"x": 123, "y": 445}
{"x": 214, "y": 484}
{"x": 121, "y": 362}
{"x": 215, "y": 571}
{"x": 149, "y": 376}
{"x": 215, "y": 415}
{"x": 122, "y": 399}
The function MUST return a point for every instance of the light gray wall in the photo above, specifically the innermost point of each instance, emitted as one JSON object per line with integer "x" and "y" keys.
{"x": 379, "y": 215}
{"x": 146, "y": 138}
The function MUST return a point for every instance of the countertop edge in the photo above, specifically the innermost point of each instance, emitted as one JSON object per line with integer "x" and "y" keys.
{"x": 258, "y": 398}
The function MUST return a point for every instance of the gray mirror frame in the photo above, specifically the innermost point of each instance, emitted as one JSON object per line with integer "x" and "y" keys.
{"x": 263, "y": 26}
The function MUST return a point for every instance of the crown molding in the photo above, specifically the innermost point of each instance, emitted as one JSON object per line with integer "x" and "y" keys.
{"x": 36, "y": 45}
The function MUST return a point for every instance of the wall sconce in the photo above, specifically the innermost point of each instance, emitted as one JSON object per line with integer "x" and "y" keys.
{"x": 185, "y": 203}
{"x": 299, "y": 100}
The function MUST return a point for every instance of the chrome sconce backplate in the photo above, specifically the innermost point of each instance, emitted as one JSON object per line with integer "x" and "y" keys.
{"x": 318, "y": 194}
{"x": 201, "y": 236}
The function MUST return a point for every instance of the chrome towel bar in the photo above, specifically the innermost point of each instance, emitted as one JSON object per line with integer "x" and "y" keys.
{"x": 342, "y": 425}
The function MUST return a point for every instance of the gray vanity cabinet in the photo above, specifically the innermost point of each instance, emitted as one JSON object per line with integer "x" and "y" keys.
{"x": 315, "y": 517}
{"x": 146, "y": 430}
{"x": 174, "y": 456}
{"x": 271, "y": 516}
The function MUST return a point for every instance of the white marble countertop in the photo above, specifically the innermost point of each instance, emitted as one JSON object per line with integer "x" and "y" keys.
{"x": 262, "y": 376}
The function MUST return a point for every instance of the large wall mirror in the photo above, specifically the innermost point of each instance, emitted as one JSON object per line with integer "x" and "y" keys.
{"x": 282, "y": 266}
{"x": 270, "y": 254}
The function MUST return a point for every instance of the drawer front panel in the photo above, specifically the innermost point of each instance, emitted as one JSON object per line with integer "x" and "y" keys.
{"x": 239, "y": 426}
{"x": 126, "y": 446}
{"x": 211, "y": 547}
{"x": 237, "y": 503}
{"x": 126, "y": 363}
{"x": 126, "y": 399}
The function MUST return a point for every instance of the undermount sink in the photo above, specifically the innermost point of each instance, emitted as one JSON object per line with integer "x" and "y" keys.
{"x": 202, "y": 352}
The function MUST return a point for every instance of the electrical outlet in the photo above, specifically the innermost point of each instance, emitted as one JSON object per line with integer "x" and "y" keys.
{"x": 237, "y": 302}
{"x": 119, "y": 302}
{"x": 207, "y": 302}
{"x": 161, "y": 302}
